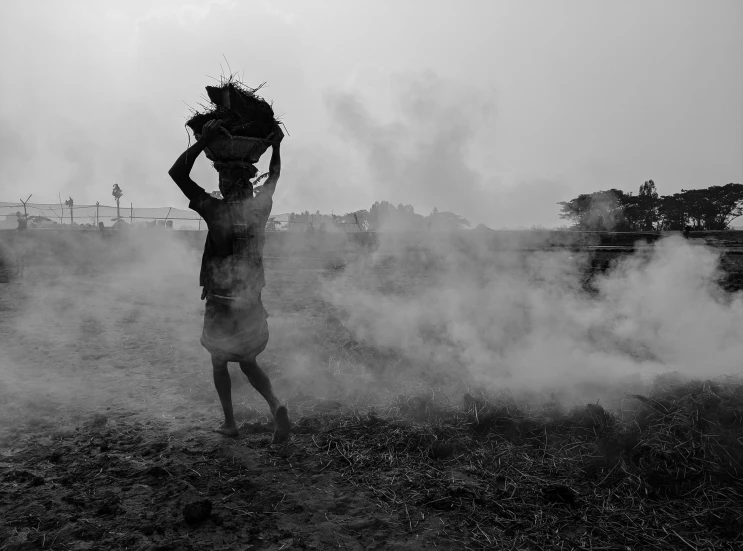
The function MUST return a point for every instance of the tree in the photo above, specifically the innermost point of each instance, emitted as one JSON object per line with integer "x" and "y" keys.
{"x": 118, "y": 194}
{"x": 715, "y": 207}
{"x": 712, "y": 208}
{"x": 672, "y": 212}
{"x": 70, "y": 203}
{"x": 447, "y": 221}
{"x": 384, "y": 216}
{"x": 599, "y": 211}
{"x": 648, "y": 203}
{"x": 641, "y": 211}
{"x": 272, "y": 224}
{"x": 359, "y": 218}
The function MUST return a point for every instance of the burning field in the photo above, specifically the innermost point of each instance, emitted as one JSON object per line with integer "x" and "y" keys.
{"x": 441, "y": 397}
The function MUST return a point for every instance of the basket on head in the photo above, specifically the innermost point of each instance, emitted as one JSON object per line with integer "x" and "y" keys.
{"x": 236, "y": 148}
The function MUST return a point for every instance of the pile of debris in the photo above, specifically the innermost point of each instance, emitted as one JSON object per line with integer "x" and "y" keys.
{"x": 247, "y": 118}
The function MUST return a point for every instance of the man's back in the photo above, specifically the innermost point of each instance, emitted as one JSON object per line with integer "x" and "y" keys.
{"x": 232, "y": 263}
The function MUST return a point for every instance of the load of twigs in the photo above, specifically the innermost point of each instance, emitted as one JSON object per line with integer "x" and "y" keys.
{"x": 242, "y": 111}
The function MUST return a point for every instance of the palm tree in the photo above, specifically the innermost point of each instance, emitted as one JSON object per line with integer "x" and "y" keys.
{"x": 70, "y": 203}
{"x": 117, "y": 193}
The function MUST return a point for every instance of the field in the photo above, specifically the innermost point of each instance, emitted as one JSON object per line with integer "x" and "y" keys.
{"x": 398, "y": 442}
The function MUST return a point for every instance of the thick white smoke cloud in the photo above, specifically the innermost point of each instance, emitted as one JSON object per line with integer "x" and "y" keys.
{"x": 101, "y": 321}
{"x": 517, "y": 318}
{"x": 522, "y": 319}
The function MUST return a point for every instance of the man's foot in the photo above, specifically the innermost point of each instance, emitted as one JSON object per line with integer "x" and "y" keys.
{"x": 281, "y": 425}
{"x": 227, "y": 430}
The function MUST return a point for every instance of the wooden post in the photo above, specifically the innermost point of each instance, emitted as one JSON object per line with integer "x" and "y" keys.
{"x": 25, "y": 213}
{"x": 131, "y": 214}
{"x": 96, "y": 214}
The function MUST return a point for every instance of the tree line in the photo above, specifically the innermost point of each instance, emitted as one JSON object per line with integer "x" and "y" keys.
{"x": 381, "y": 216}
{"x": 712, "y": 208}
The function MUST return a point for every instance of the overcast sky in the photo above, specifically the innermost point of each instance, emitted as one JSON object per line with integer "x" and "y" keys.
{"x": 493, "y": 109}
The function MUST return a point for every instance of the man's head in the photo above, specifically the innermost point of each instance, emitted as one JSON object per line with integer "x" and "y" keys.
{"x": 235, "y": 180}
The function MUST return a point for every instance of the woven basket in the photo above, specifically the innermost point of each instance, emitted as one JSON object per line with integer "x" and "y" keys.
{"x": 237, "y": 148}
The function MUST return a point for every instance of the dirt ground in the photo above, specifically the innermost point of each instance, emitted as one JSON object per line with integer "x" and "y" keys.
{"x": 106, "y": 443}
{"x": 107, "y": 413}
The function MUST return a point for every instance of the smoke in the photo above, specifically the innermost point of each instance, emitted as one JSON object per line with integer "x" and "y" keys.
{"x": 433, "y": 143}
{"x": 114, "y": 322}
{"x": 113, "y": 319}
{"x": 15, "y": 152}
{"x": 524, "y": 319}
{"x": 100, "y": 319}
{"x": 421, "y": 150}
{"x": 465, "y": 304}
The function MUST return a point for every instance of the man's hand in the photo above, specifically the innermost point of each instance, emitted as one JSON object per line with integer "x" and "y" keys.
{"x": 276, "y": 136}
{"x": 211, "y": 130}
{"x": 181, "y": 169}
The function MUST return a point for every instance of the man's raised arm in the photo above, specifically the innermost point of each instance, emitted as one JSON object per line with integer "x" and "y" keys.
{"x": 181, "y": 169}
{"x": 274, "y": 166}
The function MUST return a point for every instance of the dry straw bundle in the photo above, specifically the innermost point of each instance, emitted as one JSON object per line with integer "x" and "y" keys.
{"x": 248, "y": 121}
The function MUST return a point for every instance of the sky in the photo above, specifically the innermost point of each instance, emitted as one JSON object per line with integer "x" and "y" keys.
{"x": 494, "y": 109}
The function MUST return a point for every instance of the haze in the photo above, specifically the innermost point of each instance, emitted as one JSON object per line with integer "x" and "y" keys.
{"x": 495, "y": 110}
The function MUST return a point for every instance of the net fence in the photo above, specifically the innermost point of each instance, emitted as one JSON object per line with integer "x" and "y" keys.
{"x": 43, "y": 215}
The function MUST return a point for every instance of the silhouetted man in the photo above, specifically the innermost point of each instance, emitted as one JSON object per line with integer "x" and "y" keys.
{"x": 235, "y": 324}
{"x": 22, "y": 221}
{"x": 20, "y": 246}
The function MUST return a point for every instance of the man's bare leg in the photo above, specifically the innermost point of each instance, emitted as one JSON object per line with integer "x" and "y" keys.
{"x": 224, "y": 389}
{"x": 262, "y": 384}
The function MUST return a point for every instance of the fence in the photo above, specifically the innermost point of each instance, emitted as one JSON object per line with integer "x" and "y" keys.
{"x": 43, "y": 215}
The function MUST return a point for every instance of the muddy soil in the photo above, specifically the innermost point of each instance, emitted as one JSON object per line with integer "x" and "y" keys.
{"x": 108, "y": 405}
{"x": 123, "y": 481}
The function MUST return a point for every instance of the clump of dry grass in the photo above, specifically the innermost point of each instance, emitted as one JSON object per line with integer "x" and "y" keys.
{"x": 665, "y": 474}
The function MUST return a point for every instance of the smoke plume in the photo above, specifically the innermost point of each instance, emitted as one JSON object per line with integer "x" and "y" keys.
{"x": 525, "y": 319}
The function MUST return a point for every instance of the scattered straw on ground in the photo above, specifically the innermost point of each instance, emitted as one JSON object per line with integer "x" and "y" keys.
{"x": 482, "y": 472}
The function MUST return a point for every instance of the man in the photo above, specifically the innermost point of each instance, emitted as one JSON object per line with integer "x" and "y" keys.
{"x": 22, "y": 220}
{"x": 20, "y": 255}
{"x": 235, "y": 326}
